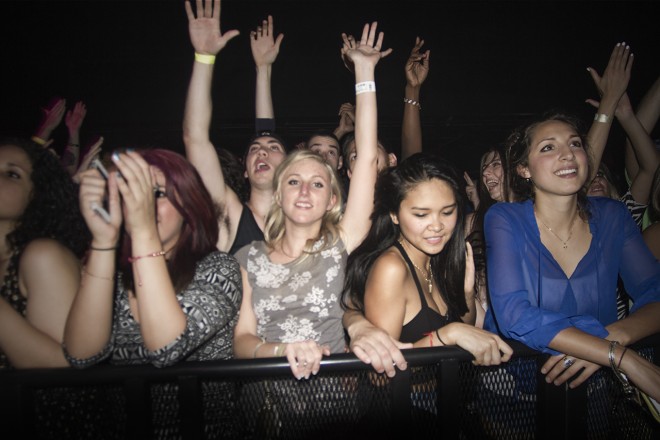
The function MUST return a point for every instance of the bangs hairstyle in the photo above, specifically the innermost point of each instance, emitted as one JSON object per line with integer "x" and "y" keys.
{"x": 392, "y": 187}
{"x": 274, "y": 230}
{"x": 199, "y": 233}
{"x": 517, "y": 155}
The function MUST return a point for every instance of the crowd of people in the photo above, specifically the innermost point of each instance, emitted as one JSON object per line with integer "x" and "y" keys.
{"x": 147, "y": 256}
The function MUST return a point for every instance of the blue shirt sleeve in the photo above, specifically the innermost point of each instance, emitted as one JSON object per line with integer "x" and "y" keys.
{"x": 514, "y": 267}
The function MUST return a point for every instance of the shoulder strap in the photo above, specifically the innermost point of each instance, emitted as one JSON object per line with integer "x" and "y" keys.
{"x": 414, "y": 274}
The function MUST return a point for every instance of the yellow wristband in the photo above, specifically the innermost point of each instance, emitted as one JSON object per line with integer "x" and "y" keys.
{"x": 38, "y": 140}
{"x": 204, "y": 59}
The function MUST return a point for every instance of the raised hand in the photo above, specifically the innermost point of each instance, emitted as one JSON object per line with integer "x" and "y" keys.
{"x": 614, "y": 82}
{"x": 205, "y": 34}
{"x": 264, "y": 48}
{"x": 348, "y": 63}
{"x": 136, "y": 186}
{"x": 367, "y": 51}
{"x": 471, "y": 190}
{"x": 346, "y": 119}
{"x": 51, "y": 117}
{"x": 93, "y": 189}
{"x": 417, "y": 65}
{"x": 86, "y": 161}
{"x": 75, "y": 117}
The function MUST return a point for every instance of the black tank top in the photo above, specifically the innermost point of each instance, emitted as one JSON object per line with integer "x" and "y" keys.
{"x": 427, "y": 320}
{"x": 248, "y": 230}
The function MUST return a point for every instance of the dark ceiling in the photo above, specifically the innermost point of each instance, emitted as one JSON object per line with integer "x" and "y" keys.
{"x": 493, "y": 64}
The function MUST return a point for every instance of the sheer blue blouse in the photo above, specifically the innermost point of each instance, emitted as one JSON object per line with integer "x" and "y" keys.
{"x": 531, "y": 299}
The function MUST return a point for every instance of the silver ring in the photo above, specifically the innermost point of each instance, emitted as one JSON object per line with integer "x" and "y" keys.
{"x": 568, "y": 362}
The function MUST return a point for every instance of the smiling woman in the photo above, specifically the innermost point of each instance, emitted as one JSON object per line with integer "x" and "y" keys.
{"x": 553, "y": 261}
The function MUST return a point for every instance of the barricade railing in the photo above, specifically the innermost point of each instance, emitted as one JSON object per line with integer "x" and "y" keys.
{"x": 441, "y": 395}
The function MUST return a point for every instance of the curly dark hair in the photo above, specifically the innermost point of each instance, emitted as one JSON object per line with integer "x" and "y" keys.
{"x": 53, "y": 210}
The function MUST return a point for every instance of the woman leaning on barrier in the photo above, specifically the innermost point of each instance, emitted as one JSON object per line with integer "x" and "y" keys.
{"x": 553, "y": 261}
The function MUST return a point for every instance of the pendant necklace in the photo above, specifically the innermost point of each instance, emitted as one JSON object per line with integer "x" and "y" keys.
{"x": 570, "y": 231}
{"x": 428, "y": 275}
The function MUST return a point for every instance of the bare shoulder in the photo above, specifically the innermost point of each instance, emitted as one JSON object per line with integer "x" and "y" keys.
{"x": 389, "y": 269}
{"x": 44, "y": 252}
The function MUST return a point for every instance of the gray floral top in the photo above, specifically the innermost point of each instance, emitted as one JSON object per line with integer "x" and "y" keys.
{"x": 211, "y": 302}
{"x": 299, "y": 300}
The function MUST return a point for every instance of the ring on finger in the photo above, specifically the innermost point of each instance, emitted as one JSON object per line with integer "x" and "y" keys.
{"x": 568, "y": 362}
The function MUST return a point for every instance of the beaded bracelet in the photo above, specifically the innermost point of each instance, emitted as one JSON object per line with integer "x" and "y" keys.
{"x": 134, "y": 259}
{"x": 412, "y": 102}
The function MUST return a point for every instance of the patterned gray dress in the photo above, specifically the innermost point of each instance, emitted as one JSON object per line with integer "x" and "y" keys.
{"x": 294, "y": 302}
{"x": 211, "y": 302}
{"x": 297, "y": 301}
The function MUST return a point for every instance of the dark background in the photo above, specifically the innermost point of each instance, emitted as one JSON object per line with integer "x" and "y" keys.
{"x": 493, "y": 64}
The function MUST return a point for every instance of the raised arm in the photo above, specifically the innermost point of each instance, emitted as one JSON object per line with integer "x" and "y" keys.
{"x": 611, "y": 86}
{"x": 641, "y": 154}
{"x": 364, "y": 55}
{"x": 648, "y": 112}
{"x": 644, "y": 152}
{"x": 346, "y": 120}
{"x": 73, "y": 120}
{"x": 92, "y": 153}
{"x": 51, "y": 118}
{"x": 417, "y": 69}
{"x": 208, "y": 41}
{"x": 264, "y": 52}
{"x": 89, "y": 325}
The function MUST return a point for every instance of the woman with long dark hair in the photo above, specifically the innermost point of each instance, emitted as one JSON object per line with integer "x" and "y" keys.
{"x": 413, "y": 274}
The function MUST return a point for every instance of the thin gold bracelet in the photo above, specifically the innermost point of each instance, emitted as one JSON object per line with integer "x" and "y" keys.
{"x": 84, "y": 270}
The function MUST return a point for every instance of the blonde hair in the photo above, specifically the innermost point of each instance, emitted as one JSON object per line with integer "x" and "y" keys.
{"x": 275, "y": 225}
